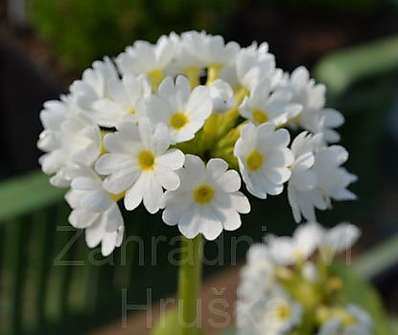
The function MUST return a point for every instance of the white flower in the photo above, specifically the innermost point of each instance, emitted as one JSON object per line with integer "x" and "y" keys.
{"x": 69, "y": 138}
{"x": 213, "y": 51}
{"x": 124, "y": 101}
{"x": 264, "y": 158}
{"x": 257, "y": 276}
{"x": 303, "y": 178}
{"x": 298, "y": 248}
{"x": 94, "y": 84}
{"x": 140, "y": 163}
{"x": 188, "y": 51}
{"x": 265, "y": 106}
{"x": 352, "y": 321}
{"x": 253, "y": 65}
{"x": 339, "y": 239}
{"x": 146, "y": 58}
{"x": 95, "y": 210}
{"x": 207, "y": 201}
{"x": 275, "y": 315}
{"x": 314, "y": 116}
{"x": 222, "y": 96}
{"x": 183, "y": 111}
{"x": 331, "y": 180}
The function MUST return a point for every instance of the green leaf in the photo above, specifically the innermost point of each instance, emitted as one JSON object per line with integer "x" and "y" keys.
{"x": 358, "y": 291}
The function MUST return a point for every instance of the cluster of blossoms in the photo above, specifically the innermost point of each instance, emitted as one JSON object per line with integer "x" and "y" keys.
{"x": 289, "y": 286}
{"x": 175, "y": 125}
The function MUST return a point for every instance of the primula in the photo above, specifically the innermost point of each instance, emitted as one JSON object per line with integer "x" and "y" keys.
{"x": 289, "y": 287}
{"x": 194, "y": 105}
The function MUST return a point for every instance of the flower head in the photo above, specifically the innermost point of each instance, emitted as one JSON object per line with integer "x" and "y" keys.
{"x": 287, "y": 286}
{"x": 134, "y": 119}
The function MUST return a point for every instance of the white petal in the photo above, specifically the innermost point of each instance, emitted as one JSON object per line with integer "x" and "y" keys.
{"x": 135, "y": 194}
{"x": 173, "y": 159}
{"x": 152, "y": 195}
{"x": 80, "y": 218}
{"x": 168, "y": 179}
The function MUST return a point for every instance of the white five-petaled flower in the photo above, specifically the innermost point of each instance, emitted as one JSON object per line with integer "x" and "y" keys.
{"x": 94, "y": 84}
{"x": 314, "y": 117}
{"x": 146, "y": 58}
{"x": 95, "y": 210}
{"x": 184, "y": 112}
{"x": 298, "y": 248}
{"x": 207, "y": 201}
{"x": 69, "y": 138}
{"x": 265, "y": 106}
{"x": 124, "y": 101}
{"x": 264, "y": 158}
{"x": 140, "y": 163}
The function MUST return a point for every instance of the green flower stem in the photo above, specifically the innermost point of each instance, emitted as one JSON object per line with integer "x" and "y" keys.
{"x": 190, "y": 278}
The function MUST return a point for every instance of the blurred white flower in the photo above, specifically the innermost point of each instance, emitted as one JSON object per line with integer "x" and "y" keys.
{"x": 298, "y": 248}
{"x": 352, "y": 321}
{"x": 274, "y": 315}
{"x": 264, "y": 158}
{"x": 207, "y": 201}
{"x": 140, "y": 163}
{"x": 339, "y": 239}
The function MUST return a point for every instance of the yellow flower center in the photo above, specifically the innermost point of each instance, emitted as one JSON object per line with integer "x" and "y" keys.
{"x": 203, "y": 194}
{"x": 259, "y": 116}
{"x": 155, "y": 76}
{"x": 130, "y": 110}
{"x": 146, "y": 160}
{"x": 178, "y": 120}
{"x": 255, "y": 160}
{"x": 283, "y": 311}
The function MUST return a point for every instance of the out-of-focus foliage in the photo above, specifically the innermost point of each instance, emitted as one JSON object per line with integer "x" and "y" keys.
{"x": 336, "y": 4}
{"x": 83, "y": 30}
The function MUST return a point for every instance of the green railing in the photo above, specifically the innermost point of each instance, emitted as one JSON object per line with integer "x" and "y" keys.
{"x": 50, "y": 282}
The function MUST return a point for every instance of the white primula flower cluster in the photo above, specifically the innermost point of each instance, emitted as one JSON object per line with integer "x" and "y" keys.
{"x": 175, "y": 125}
{"x": 288, "y": 286}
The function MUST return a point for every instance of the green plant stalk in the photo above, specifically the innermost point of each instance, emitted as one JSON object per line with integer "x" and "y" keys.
{"x": 190, "y": 278}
